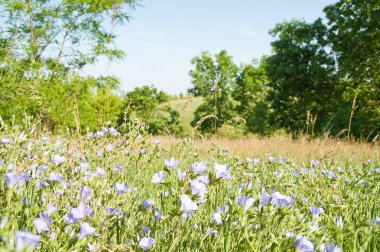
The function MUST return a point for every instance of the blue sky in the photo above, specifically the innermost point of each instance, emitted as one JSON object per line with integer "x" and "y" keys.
{"x": 164, "y": 35}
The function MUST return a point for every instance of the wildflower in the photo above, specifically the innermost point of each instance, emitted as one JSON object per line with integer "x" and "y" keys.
{"x": 339, "y": 222}
{"x": 171, "y": 163}
{"x": 93, "y": 247}
{"x": 85, "y": 193}
{"x": 100, "y": 172}
{"x": 157, "y": 215}
{"x": 248, "y": 160}
{"x": 203, "y": 179}
{"x": 148, "y": 204}
{"x": 303, "y": 244}
{"x": 212, "y": 231}
{"x": 330, "y": 247}
{"x": 199, "y": 167}
{"x": 117, "y": 168}
{"x": 158, "y": 178}
{"x": 78, "y": 213}
{"x": 315, "y": 211}
{"x": 86, "y": 230}
{"x": 198, "y": 188}
{"x": 5, "y": 141}
{"x": 15, "y": 178}
{"x": 315, "y": 163}
{"x": 114, "y": 131}
{"x": 145, "y": 230}
{"x": 281, "y": 200}
{"x": 271, "y": 159}
{"x": 222, "y": 171}
{"x": 223, "y": 209}
{"x": 146, "y": 243}
{"x": 99, "y": 134}
{"x": 42, "y": 224}
{"x": 110, "y": 147}
{"x": 90, "y": 134}
{"x": 245, "y": 202}
{"x": 181, "y": 174}
{"x": 57, "y": 159}
{"x": 187, "y": 205}
{"x": 142, "y": 151}
{"x": 26, "y": 240}
{"x": 56, "y": 176}
{"x": 265, "y": 197}
{"x": 156, "y": 142}
{"x": 216, "y": 218}
{"x": 3, "y": 222}
{"x": 51, "y": 208}
{"x": 122, "y": 188}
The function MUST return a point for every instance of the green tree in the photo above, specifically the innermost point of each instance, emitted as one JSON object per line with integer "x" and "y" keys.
{"x": 213, "y": 78}
{"x": 250, "y": 92}
{"x": 301, "y": 74}
{"x": 355, "y": 38}
{"x": 44, "y": 43}
{"x": 147, "y": 105}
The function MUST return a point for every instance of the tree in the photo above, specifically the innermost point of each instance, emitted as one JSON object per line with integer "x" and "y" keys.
{"x": 147, "y": 104}
{"x": 43, "y": 45}
{"x": 301, "y": 74}
{"x": 213, "y": 79}
{"x": 355, "y": 37}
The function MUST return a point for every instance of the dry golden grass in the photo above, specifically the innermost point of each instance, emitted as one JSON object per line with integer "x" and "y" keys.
{"x": 301, "y": 150}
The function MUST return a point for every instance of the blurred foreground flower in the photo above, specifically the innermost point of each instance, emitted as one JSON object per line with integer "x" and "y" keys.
{"x": 146, "y": 243}
{"x": 26, "y": 240}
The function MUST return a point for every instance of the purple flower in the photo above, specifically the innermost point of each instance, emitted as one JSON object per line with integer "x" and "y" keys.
{"x": 42, "y": 224}
{"x": 203, "y": 179}
{"x": 198, "y": 188}
{"x": 199, "y": 167}
{"x": 181, "y": 174}
{"x": 51, "y": 208}
{"x": 187, "y": 205}
{"x": 85, "y": 230}
{"x": 315, "y": 211}
{"x": 148, "y": 204}
{"x": 99, "y": 134}
{"x": 113, "y": 132}
{"x": 3, "y": 222}
{"x": 281, "y": 200}
{"x": 146, "y": 243}
{"x": 142, "y": 151}
{"x": 56, "y": 176}
{"x": 245, "y": 202}
{"x": 15, "y": 178}
{"x": 26, "y": 240}
{"x": 76, "y": 214}
{"x": 145, "y": 230}
{"x": 265, "y": 197}
{"x": 221, "y": 171}
{"x": 223, "y": 209}
{"x": 330, "y": 247}
{"x": 110, "y": 147}
{"x": 158, "y": 178}
{"x": 85, "y": 193}
{"x": 171, "y": 163}
{"x": 122, "y": 188}
{"x": 303, "y": 244}
{"x": 117, "y": 168}
{"x": 216, "y": 218}
{"x": 157, "y": 215}
{"x": 57, "y": 159}
{"x": 5, "y": 141}
{"x": 100, "y": 172}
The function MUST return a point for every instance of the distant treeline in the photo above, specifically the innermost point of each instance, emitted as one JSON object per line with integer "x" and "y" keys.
{"x": 321, "y": 78}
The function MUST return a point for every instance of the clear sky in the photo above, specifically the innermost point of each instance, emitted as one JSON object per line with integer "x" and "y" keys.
{"x": 164, "y": 35}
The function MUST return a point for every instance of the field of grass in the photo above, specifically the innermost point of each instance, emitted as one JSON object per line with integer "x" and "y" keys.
{"x": 131, "y": 192}
{"x": 186, "y": 107}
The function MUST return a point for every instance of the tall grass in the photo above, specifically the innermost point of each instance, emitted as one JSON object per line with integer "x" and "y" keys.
{"x": 129, "y": 192}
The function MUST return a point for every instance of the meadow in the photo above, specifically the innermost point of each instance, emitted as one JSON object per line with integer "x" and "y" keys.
{"x": 112, "y": 191}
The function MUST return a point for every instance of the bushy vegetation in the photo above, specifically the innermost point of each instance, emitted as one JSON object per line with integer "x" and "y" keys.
{"x": 312, "y": 82}
{"x": 321, "y": 78}
{"x": 124, "y": 192}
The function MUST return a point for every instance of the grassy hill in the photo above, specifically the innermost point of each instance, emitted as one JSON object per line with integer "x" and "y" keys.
{"x": 186, "y": 107}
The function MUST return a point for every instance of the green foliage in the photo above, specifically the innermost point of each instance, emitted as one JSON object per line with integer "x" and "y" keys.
{"x": 213, "y": 78}
{"x": 143, "y": 103}
{"x": 302, "y": 75}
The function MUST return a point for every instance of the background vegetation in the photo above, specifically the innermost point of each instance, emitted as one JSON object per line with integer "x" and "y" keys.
{"x": 322, "y": 77}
